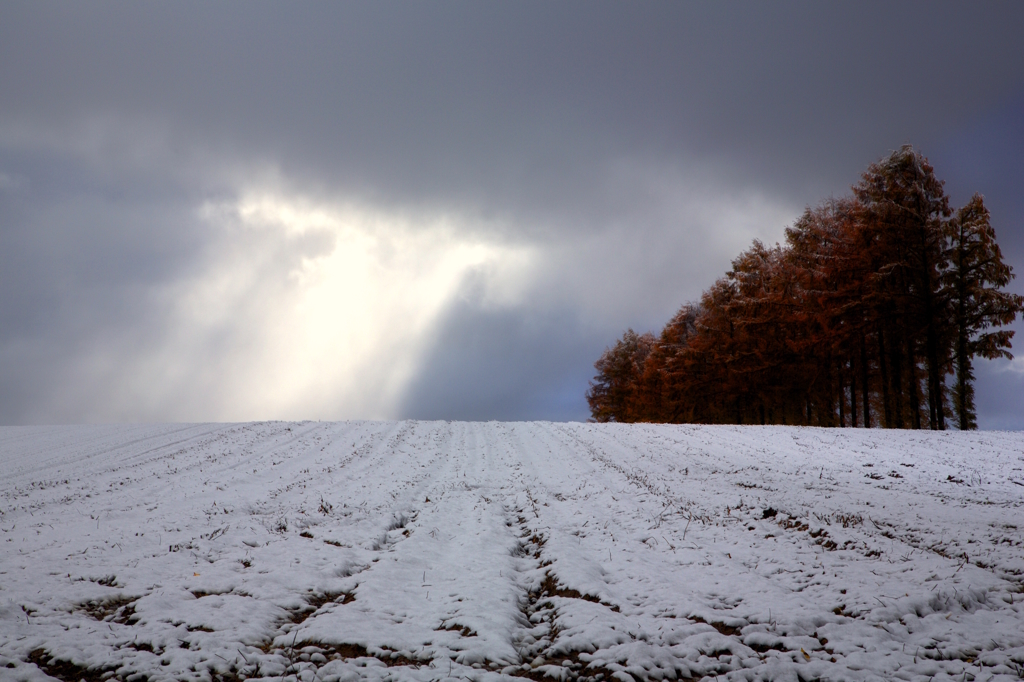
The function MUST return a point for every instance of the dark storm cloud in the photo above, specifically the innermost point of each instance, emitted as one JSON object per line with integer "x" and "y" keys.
{"x": 118, "y": 120}
{"x": 486, "y": 102}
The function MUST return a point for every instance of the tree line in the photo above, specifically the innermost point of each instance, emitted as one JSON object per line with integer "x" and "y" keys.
{"x": 871, "y": 314}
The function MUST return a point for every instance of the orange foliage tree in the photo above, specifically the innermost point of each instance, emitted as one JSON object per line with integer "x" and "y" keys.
{"x": 856, "y": 321}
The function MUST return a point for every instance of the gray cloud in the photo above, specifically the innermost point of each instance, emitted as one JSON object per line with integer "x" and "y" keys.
{"x": 508, "y": 364}
{"x": 485, "y": 103}
{"x": 631, "y": 152}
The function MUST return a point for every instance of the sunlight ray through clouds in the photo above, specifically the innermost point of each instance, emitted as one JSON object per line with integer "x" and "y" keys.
{"x": 309, "y": 310}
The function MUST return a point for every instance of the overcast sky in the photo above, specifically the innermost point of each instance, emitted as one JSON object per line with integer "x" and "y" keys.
{"x": 442, "y": 210}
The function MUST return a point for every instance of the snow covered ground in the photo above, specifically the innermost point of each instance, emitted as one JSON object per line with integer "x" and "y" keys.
{"x": 487, "y": 551}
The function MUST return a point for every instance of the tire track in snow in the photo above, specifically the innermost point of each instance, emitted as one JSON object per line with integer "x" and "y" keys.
{"x": 442, "y": 592}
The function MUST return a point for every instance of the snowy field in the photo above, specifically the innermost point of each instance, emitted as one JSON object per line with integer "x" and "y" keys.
{"x": 487, "y": 551}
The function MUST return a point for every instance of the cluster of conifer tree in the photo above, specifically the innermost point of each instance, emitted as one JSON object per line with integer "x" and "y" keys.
{"x": 870, "y": 315}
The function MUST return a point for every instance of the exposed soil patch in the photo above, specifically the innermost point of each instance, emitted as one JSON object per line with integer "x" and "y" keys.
{"x": 820, "y": 535}
{"x": 569, "y": 665}
{"x": 332, "y": 652}
{"x": 107, "y": 581}
{"x": 143, "y": 646}
{"x": 464, "y": 630}
{"x": 765, "y": 648}
{"x": 549, "y": 587}
{"x": 727, "y": 630}
{"x": 66, "y": 670}
{"x": 315, "y": 601}
{"x": 113, "y": 610}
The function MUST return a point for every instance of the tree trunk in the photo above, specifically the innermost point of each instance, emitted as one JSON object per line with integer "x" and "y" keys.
{"x": 936, "y": 403}
{"x": 883, "y": 367}
{"x": 964, "y": 397}
{"x": 964, "y": 375}
{"x": 829, "y": 416}
{"x": 896, "y": 376}
{"x": 842, "y": 398}
{"x": 914, "y": 387}
{"x": 864, "y": 386}
{"x": 853, "y": 394}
